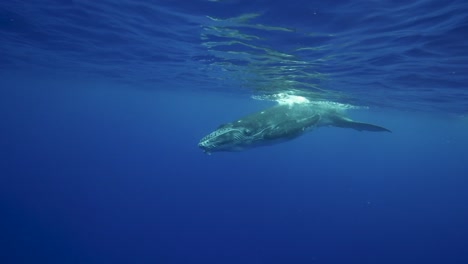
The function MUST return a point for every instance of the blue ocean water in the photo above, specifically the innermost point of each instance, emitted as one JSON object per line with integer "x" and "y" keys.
{"x": 103, "y": 104}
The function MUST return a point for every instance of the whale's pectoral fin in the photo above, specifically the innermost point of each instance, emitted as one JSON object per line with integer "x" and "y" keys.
{"x": 348, "y": 123}
{"x": 290, "y": 128}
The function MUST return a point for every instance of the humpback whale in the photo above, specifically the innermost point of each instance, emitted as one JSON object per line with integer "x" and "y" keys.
{"x": 279, "y": 123}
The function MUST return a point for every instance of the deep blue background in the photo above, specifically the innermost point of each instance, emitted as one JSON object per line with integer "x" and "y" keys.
{"x": 98, "y": 156}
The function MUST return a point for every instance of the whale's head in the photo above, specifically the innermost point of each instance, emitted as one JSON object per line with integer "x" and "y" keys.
{"x": 226, "y": 138}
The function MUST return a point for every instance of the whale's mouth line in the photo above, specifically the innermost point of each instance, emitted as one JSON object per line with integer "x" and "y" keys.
{"x": 205, "y": 142}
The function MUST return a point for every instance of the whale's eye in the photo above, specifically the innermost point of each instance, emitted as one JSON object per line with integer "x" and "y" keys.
{"x": 247, "y": 132}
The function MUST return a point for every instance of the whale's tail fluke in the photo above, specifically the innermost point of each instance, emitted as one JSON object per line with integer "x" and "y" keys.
{"x": 348, "y": 123}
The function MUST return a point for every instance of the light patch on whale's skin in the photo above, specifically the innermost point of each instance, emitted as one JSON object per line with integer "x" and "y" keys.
{"x": 292, "y": 99}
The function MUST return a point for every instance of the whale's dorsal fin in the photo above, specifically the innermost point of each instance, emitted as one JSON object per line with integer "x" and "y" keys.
{"x": 340, "y": 121}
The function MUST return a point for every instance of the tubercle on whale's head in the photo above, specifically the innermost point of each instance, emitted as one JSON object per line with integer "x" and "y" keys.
{"x": 226, "y": 138}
